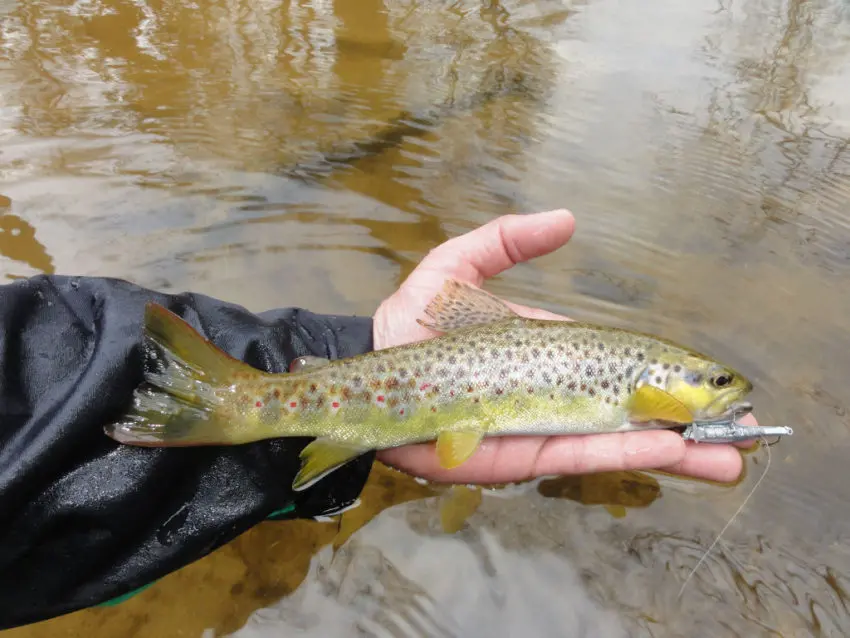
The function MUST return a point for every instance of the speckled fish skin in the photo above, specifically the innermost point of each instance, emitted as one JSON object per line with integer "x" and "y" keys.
{"x": 493, "y": 373}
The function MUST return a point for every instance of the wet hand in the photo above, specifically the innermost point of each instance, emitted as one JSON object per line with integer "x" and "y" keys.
{"x": 473, "y": 258}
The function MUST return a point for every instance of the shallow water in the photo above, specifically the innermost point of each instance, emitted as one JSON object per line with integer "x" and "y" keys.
{"x": 242, "y": 148}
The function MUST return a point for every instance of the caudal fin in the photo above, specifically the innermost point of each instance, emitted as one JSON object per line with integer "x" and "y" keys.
{"x": 178, "y": 405}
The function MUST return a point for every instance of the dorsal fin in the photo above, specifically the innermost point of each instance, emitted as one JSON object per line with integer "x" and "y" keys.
{"x": 461, "y": 305}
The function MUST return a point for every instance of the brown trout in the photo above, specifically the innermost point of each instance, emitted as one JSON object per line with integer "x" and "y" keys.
{"x": 491, "y": 373}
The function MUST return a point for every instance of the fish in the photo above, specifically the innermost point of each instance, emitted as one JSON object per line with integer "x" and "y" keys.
{"x": 492, "y": 372}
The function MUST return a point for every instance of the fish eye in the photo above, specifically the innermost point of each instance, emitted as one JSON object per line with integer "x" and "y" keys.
{"x": 721, "y": 380}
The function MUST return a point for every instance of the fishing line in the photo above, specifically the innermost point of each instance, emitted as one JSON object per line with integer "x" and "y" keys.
{"x": 731, "y": 520}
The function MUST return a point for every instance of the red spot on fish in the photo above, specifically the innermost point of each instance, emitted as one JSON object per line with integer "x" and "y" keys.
{"x": 259, "y": 404}
{"x": 335, "y": 404}
{"x": 401, "y": 411}
{"x": 424, "y": 386}
{"x": 381, "y": 398}
{"x": 293, "y": 404}
{"x": 433, "y": 409}
{"x": 452, "y": 393}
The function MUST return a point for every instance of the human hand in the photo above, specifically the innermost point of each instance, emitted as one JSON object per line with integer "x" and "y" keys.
{"x": 473, "y": 258}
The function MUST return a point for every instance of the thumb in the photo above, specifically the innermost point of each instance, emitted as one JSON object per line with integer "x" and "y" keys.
{"x": 495, "y": 247}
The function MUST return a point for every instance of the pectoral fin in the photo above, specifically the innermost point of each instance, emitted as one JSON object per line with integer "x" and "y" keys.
{"x": 320, "y": 458}
{"x": 652, "y": 404}
{"x": 461, "y": 305}
{"x": 454, "y": 448}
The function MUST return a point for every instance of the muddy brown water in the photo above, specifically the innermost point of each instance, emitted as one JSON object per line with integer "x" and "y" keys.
{"x": 286, "y": 152}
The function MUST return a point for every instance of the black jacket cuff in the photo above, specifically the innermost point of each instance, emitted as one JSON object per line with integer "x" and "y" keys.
{"x": 85, "y": 519}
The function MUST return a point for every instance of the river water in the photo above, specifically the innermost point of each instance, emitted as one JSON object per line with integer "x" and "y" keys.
{"x": 296, "y": 152}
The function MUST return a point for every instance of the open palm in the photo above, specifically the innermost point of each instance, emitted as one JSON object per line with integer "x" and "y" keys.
{"x": 473, "y": 258}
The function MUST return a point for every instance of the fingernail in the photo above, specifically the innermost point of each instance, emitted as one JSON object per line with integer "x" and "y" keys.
{"x": 557, "y": 212}
{"x": 549, "y": 217}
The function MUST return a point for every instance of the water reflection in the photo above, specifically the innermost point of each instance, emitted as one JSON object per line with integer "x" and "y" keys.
{"x": 18, "y": 243}
{"x": 244, "y": 148}
{"x": 403, "y": 581}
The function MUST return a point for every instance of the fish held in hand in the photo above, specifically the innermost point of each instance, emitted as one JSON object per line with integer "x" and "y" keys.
{"x": 492, "y": 373}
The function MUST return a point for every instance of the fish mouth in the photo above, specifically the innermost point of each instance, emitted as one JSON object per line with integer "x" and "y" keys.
{"x": 732, "y": 413}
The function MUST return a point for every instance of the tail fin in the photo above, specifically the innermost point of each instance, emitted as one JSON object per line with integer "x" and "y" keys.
{"x": 178, "y": 405}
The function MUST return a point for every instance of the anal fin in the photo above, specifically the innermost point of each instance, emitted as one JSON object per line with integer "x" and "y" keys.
{"x": 461, "y": 305}
{"x": 320, "y": 458}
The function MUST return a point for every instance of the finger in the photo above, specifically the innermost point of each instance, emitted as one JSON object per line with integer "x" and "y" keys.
{"x": 714, "y": 462}
{"x": 608, "y": 452}
{"x": 507, "y": 459}
{"x": 496, "y": 246}
{"x": 709, "y": 461}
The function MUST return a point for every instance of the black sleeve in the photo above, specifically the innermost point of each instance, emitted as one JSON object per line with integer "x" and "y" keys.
{"x": 84, "y": 519}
